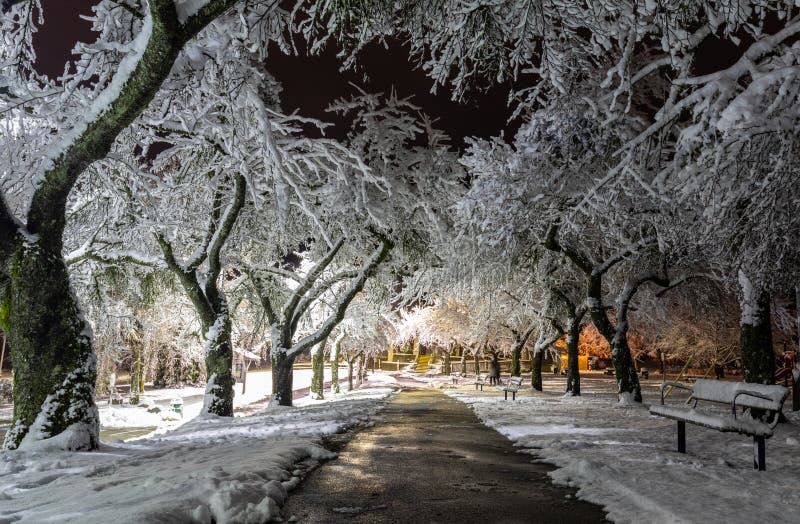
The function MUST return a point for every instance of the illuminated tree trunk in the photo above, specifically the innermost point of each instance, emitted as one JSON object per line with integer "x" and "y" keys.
{"x": 318, "y": 370}
{"x": 335, "y": 352}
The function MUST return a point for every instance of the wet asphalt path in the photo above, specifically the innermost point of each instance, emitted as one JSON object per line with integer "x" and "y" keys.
{"x": 431, "y": 461}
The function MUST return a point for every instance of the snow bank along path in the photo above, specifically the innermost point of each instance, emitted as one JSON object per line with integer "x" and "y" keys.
{"x": 625, "y": 460}
{"x": 210, "y": 469}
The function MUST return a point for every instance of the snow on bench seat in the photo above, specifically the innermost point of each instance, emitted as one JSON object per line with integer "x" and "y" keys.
{"x": 723, "y": 423}
{"x": 514, "y": 383}
{"x": 765, "y": 398}
{"x": 726, "y": 392}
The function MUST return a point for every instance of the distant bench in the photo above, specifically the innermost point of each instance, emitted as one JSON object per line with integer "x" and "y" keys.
{"x": 479, "y": 382}
{"x": 513, "y": 385}
{"x": 768, "y": 399}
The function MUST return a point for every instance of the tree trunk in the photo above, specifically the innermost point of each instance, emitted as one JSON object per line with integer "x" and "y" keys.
{"x": 3, "y": 354}
{"x": 536, "y": 370}
{"x": 335, "y": 368}
{"x": 573, "y": 373}
{"x": 318, "y": 370}
{"x": 219, "y": 367}
{"x": 51, "y": 353}
{"x": 463, "y": 363}
{"x": 361, "y": 371}
{"x": 617, "y": 337}
{"x": 624, "y": 368}
{"x": 282, "y": 377}
{"x": 446, "y": 366}
{"x": 758, "y": 358}
{"x": 477, "y": 365}
{"x": 516, "y": 353}
{"x": 350, "y": 362}
{"x": 136, "y": 371}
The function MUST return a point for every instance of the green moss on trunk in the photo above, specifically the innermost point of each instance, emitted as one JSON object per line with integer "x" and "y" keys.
{"x": 219, "y": 364}
{"x": 318, "y": 369}
{"x": 51, "y": 349}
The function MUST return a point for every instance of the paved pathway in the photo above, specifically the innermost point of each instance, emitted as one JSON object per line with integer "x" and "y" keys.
{"x": 431, "y": 461}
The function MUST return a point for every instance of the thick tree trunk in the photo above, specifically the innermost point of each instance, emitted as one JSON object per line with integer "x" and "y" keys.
{"x": 335, "y": 389}
{"x": 617, "y": 337}
{"x": 463, "y": 363}
{"x": 318, "y": 370}
{"x": 477, "y": 365}
{"x": 573, "y": 373}
{"x": 624, "y": 369}
{"x": 516, "y": 353}
{"x": 282, "y": 377}
{"x": 51, "y": 352}
{"x": 536, "y": 370}
{"x": 758, "y": 357}
{"x": 446, "y": 368}
{"x": 50, "y": 341}
{"x": 219, "y": 367}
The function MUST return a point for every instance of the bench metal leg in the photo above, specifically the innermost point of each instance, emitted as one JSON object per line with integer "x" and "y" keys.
{"x": 513, "y": 395}
{"x": 681, "y": 436}
{"x": 759, "y": 453}
{"x": 505, "y": 395}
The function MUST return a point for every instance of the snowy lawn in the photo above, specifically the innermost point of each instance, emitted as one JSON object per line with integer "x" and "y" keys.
{"x": 209, "y": 469}
{"x": 154, "y": 409}
{"x": 624, "y": 459}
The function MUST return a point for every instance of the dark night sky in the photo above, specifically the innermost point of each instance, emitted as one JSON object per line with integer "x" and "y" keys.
{"x": 310, "y": 84}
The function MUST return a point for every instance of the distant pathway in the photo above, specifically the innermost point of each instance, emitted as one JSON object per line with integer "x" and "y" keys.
{"x": 432, "y": 461}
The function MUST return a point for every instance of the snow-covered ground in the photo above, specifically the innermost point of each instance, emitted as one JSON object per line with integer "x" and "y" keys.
{"x": 625, "y": 460}
{"x": 154, "y": 408}
{"x": 209, "y": 469}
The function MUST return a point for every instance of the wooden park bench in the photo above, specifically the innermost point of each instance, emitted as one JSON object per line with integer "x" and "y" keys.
{"x": 479, "y": 382}
{"x": 767, "y": 399}
{"x": 512, "y": 386}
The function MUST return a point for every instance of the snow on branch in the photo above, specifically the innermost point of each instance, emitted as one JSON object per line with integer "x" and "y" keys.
{"x": 342, "y": 303}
